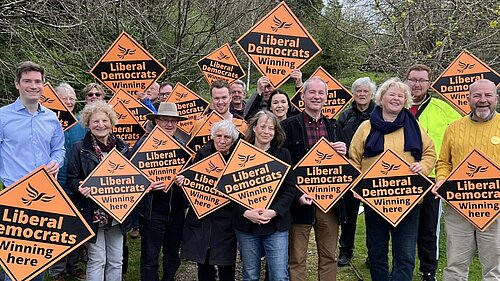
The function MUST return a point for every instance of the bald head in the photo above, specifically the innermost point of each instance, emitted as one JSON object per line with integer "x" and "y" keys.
{"x": 483, "y": 100}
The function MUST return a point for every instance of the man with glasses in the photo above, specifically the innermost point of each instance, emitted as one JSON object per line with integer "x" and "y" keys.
{"x": 165, "y": 91}
{"x": 434, "y": 115}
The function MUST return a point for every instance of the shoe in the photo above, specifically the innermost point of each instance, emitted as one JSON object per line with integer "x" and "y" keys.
{"x": 343, "y": 260}
{"x": 59, "y": 277}
{"x": 78, "y": 274}
{"x": 429, "y": 276}
{"x": 134, "y": 234}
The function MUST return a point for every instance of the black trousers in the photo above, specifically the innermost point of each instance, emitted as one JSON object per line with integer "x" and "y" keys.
{"x": 348, "y": 229}
{"x": 206, "y": 272}
{"x": 427, "y": 236}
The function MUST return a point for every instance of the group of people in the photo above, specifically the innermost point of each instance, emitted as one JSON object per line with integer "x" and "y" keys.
{"x": 400, "y": 115}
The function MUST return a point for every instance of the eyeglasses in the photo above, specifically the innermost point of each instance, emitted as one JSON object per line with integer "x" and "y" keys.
{"x": 90, "y": 94}
{"x": 421, "y": 81}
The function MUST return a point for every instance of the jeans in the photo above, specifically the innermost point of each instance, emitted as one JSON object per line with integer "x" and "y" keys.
{"x": 404, "y": 242}
{"x": 105, "y": 255}
{"x": 275, "y": 247}
{"x": 165, "y": 233}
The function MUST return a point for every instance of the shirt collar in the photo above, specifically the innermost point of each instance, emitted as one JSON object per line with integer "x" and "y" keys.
{"x": 309, "y": 119}
{"x": 18, "y": 106}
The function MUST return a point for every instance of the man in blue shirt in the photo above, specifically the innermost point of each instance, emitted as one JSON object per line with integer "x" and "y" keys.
{"x": 30, "y": 134}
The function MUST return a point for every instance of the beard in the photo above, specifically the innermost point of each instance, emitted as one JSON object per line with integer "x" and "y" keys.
{"x": 484, "y": 113}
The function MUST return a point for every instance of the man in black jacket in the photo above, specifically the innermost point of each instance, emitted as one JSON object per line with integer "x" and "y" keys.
{"x": 363, "y": 89}
{"x": 303, "y": 131}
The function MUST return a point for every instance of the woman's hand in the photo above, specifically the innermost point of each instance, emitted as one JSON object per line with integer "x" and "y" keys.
{"x": 416, "y": 168}
{"x": 256, "y": 216}
{"x": 85, "y": 191}
{"x": 156, "y": 185}
{"x": 340, "y": 147}
{"x": 305, "y": 200}
{"x": 179, "y": 180}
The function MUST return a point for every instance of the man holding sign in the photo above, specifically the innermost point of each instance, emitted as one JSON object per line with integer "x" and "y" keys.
{"x": 30, "y": 134}
{"x": 480, "y": 130}
{"x": 303, "y": 131}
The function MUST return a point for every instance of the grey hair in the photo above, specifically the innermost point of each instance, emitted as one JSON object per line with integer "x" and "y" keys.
{"x": 242, "y": 84}
{"x": 394, "y": 82}
{"x": 364, "y": 81}
{"x": 65, "y": 87}
{"x": 228, "y": 128}
{"x": 315, "y": 78}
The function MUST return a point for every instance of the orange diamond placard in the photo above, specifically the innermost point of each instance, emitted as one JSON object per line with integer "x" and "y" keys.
{"x": 278, "y": 44}
{"x": 51, "y": 100}
{"x": 138, "y": 109}
{"x": 39, "y": 226}
{"x": 338, "y": 95}
{"x": 127, "y": 65}
{"x": 454, "y": 82}
{"x": 116, "y": 185}
{"x": 221, "y": 64}
{"x": 325, "y": 175}
{"x": 199, "y": 185}
{"x": 161, "y": 157}
{"x": 127, "y": 128}
{"x": 202, "y": 135}
{"x": 390, "y": 188}
{"x": 189, "y": 104}
{"x": 252, "y": 177}
{"x": 473, "y": 189}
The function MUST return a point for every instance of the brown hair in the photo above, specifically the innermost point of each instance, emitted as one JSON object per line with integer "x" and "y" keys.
{"x": 279, "y": 133}
{"x": 219, "y": 84}
{"x": 26, "y": 67}
{"x": 419, "y": 67}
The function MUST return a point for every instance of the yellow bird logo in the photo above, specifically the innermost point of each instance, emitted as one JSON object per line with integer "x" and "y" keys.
{"x": 322, "y": 156}
{"x": 180, "y": 96}
{"x": 115, "y": 167}
{"x": 389, "y": 167}
{"x": 473, "y": 169}
{"x": 464, "y": 66}
{"x": 34, "y": 195}
{"x": 157, "y": 143}
{"x": 212, "y": 168}
{"x": 125, "y": 52}
{"x": 222, "y": 56}
{"x": 278, "y": 24}
{"x": 44, "y": 99}
{"x": 245, "y": 159}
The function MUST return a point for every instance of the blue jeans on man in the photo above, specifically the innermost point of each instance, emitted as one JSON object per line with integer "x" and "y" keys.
{"x": 404, "y": 242}
{"x": 275, "y": 248}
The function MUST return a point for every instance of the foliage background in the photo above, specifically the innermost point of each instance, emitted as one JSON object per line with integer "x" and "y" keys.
{"x": 382, "y": 36}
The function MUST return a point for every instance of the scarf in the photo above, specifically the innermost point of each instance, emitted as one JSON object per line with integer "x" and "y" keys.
{"x": 412, "y": 136}
{"x": 101, "y": 217}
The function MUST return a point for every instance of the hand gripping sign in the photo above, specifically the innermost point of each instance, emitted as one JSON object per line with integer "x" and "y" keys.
{"x": 278, "y": 44}
{"x": 161, "y": 157}
{"x": 252, "y": 177}
{"x": 473, "y": 189}
{"x": 116, "y": 185}
{"x": 454, "y": 82}
{"x": 325, "y": 175}
{"x": 338, "y": 95}
{"x": 52, "y": 101}
{"x": 199, "y": 185}
{"x": 390, "y": 188}
{"x": 39, "y": 226}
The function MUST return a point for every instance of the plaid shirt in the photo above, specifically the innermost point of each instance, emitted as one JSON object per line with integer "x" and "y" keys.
{"x": 315, "y": 129}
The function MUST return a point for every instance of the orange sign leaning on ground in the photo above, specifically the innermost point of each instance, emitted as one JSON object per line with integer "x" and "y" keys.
{"x": 203, "y": 135}
{"x": 138, "y": 109}
{"x": 199, "y": 185}
{"x": 51, "y": 100}
{"x": 473, "y": 189}
{"x": 221, "y": 64}
{"x": 325, "y": 175}
{"x": 127, "y": 127}
{"x": 390, "y": 188}
{"x": 189, "y": 104}
{"x": 39, "y": 226}
{"x": 127, "y": 65}
{"x": 454, "y": 82}
{"x": 161, "y": 157}
{"x": 116, "y": 185}
{"x": 338, "y": 96}
{"x": 278, "y": 44}
{"x": 252, "y": 177}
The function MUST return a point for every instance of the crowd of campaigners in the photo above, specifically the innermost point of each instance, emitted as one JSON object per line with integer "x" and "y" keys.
{"x": 400, "y": 114}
